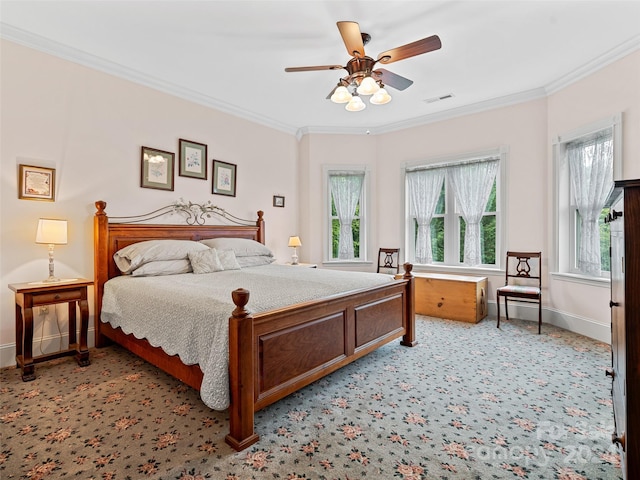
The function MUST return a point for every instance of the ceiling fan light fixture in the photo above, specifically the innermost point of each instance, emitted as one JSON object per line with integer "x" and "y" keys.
{"x": 380, "y": 97}
{"x": 355, "y": 104}
{"x": 341, "y": 95}
{"x": 368, "y": 86}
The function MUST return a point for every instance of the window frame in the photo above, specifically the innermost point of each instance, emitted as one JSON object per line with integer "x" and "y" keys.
{"x": 565, "y": 212}
{"x": 327, "y": 171}
{"x": 452, "y": 214}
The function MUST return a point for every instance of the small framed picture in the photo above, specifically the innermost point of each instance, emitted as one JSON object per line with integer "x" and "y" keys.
{"x": 224, "y": 178}
{"x": 37, "y": 183}
{"x": 193, "y": 159}
{"x": 156, "y": 169}
{"x": 278, "y": 201}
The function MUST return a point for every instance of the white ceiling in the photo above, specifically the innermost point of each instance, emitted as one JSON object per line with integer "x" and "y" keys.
{"x": 232, "y": 54}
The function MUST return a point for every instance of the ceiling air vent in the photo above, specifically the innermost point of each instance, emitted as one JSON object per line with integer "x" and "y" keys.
{"x": 437, "y": 99}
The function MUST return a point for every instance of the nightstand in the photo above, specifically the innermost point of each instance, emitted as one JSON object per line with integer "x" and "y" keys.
{"x": 36, "y": 294}
{"x": 305, "y": 265}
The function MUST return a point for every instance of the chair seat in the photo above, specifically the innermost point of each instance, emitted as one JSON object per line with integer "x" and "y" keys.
{"x": 519, "y": 290}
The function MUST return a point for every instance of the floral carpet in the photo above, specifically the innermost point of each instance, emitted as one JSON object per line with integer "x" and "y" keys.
{"x": 470, "y": 401}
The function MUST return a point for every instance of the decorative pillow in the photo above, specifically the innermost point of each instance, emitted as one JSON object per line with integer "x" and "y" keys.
{"x": 133, "y": 256}
{"x": 242, "y": 247}
{"x": 206, "y": 261}
{"x": 255, "y": 260}
{"x": 162, "y": 267}
{"x": 228, "y": 260}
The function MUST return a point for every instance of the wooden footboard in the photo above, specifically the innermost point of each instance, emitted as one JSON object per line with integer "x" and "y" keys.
{"x": 274, "y": 354}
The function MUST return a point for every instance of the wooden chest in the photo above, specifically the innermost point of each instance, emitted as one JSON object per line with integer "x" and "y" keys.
{"x": 455, "y": 297}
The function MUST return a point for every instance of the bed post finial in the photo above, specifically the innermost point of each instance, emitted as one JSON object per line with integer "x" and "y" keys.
{"x": 101, "y": 205}
{"x": 407, "y": 269}
{"x": 241, "y": 371}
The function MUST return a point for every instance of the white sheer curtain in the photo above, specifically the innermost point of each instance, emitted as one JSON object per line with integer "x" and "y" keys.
{"x": 346, "y": 189}
{"x": 591, "y": 172}
{"x": 424, "y": 190}
{"x": 471, "y": 183}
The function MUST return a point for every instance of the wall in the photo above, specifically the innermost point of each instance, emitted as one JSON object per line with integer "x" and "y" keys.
{"x": 527, "y": 129}
{"x": 611, "y": 90}
{"x": 90, "y": 126}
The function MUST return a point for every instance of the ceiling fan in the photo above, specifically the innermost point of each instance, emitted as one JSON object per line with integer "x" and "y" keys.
{"x": 363, "y": 78}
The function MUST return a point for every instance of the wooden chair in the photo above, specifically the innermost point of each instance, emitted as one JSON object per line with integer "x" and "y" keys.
{"x": 389, "y": 259}
{"x": 523, "y": 282}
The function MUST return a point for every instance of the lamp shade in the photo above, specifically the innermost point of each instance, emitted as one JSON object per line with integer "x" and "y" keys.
{"x": 380, "y": 97}
{"x": 355, "y": 104}
{"x": 295, "y": 242}
{"x": 341, "y": 95}
{"x": 368, "y": 86}
{"x": 52, "y": 232}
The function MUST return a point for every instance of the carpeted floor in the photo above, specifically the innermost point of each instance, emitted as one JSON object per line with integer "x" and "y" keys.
{"x": 469, "y": 402}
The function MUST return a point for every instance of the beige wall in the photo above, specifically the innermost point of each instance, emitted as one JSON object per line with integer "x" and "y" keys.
{"x": 90, "y": 126}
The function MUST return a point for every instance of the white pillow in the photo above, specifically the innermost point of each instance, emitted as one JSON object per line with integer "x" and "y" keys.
{"x": 228, "y": 260}
{"x": 162, "y": 267}
{"x": 242, "y": 247}
{"x": 255, "y": 261}
{"x": 133, "y": 256}
{"x": 206, "y": 261}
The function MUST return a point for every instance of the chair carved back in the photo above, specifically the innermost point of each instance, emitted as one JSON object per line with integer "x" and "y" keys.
{"x": 389, "y": 259}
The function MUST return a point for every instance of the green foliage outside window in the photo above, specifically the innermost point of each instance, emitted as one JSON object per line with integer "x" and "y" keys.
{"x": 335, "y": 231}
{"x": 487, "y": 230}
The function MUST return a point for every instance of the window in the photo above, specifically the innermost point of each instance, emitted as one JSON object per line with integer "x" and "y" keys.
{"x": 587, "y": 160}
{"x": 346, "y": 206}
{"x": 453, "y": 211}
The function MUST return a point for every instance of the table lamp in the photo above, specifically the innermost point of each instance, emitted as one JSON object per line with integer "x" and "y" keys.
{"x": 51, "y": 232}
{"x": 295, "y": 243}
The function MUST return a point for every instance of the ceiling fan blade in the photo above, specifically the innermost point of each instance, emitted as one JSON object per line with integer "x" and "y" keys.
{"x": 391, "y": 79}
{"x": 410, "y": 50}
{"x": 317, "y": 67}
{"x": 352, "y": 38}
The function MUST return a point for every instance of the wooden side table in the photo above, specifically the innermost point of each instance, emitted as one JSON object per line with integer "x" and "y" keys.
{"x": 35, "y": 294}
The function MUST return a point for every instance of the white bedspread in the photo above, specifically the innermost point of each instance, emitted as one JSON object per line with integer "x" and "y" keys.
{"x": 187, "y": 315}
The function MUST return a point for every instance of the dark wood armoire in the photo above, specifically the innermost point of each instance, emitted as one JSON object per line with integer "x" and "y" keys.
{"x": 624, "y": 220}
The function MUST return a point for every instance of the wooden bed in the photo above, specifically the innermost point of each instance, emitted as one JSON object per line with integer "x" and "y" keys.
{"x": 271, "y": 354}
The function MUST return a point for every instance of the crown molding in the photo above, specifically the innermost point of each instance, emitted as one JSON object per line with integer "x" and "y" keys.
{"x": 45, "y": 45}
{"x": 594, "y": 65}
{"x": 74, "y": 55}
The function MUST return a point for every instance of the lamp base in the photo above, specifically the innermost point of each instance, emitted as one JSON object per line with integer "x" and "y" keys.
{"x": 51, "y": 280}
{"x": 294, "y": 259}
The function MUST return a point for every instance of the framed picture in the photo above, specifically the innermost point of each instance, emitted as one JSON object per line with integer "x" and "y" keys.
{"x": 278, "y": 201}
{"x": 156, "y": 169}
{"x": 37, "y": 183}
{"x": 224, "y": 178}
{"x": 193, "y": 159}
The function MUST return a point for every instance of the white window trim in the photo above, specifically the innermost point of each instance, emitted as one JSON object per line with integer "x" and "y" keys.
{"x": 563, "y": 249}
{"x": 364, "y": 215}
{"x": 501, "y": 203}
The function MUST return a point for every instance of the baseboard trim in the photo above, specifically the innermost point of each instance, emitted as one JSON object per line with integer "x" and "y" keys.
{"x": 574, "y": 323}
{"x": 49, "y": 344}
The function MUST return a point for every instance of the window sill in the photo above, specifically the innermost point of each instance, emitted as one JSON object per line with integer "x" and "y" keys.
{"x": 576, "y": 278}
{"x": 345, "y": 263}
{"x": 418, "y": 268}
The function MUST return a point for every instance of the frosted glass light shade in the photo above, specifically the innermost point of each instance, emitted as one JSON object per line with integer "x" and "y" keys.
{"x": 52, "y": 232}
{"x": 368, "y": 86}
{"x": 355, "y": 105}
{"x": 341, "y": 95}
{"x": 380, "y": 97}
